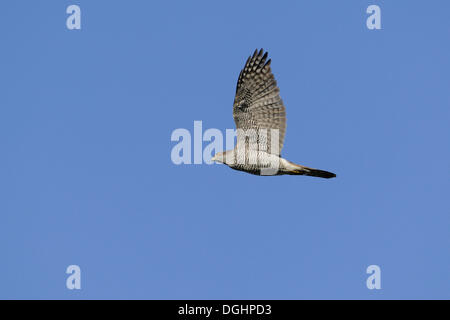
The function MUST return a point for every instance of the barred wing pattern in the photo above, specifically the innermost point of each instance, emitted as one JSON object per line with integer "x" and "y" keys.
{"x": 257, "y": 104}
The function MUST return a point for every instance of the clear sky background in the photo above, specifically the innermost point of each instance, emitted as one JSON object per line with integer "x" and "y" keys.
{"x": 86, "y": 176}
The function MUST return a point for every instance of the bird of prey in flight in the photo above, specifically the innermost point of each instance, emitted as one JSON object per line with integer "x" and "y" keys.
{"x": 260, "y": 118}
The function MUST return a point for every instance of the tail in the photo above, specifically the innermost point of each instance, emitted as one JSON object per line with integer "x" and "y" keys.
{"x": 305, "y": 171}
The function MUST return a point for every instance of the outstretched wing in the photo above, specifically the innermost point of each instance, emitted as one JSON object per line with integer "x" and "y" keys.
{"x": 257, "y": 104}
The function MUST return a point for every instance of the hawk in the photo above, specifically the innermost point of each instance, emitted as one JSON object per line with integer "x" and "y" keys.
{"x": 260, "y": 118}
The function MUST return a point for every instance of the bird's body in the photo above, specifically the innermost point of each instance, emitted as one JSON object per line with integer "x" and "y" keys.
{"x": 260, "y": 118}
{"x": 262, "y": 163}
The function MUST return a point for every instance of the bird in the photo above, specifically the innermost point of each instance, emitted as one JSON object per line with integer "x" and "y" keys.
{"x": 260, "y": 118}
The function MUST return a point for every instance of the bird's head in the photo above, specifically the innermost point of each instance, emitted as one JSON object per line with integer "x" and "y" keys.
{"x": 219, "y": 157}
{"x": 225, "y": 157}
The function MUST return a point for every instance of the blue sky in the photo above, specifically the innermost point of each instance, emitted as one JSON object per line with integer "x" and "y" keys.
{"x": 87, "y": 179}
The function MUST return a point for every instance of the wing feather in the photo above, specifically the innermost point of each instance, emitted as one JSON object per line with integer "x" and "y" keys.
{"x": 257, "y": 104}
